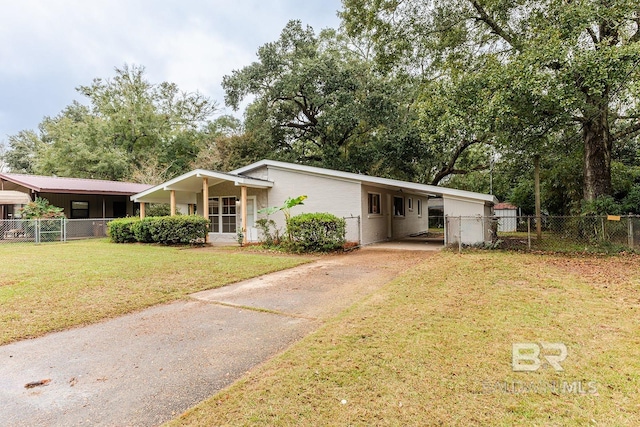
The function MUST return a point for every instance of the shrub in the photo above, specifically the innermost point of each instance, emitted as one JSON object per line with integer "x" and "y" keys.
{"x": 316, "y": 232}
{"x": 168, "y": 230}
{"x": 41, "y": 209}
{"x": 270, "y": 237}
{"x": 141, "y": 230}
{"x": 172, "y": 230}
{"x": 121, "y": 230}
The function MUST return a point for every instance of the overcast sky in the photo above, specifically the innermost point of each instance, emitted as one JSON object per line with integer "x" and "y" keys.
{"x": 49, "y": 47}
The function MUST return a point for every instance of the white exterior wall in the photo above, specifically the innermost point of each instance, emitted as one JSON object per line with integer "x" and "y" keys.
{"x": 473, "y": 227}
{"x": 383, "y": 226}
{"x": 508, "y": 219}
{"x": 336, "y": 196}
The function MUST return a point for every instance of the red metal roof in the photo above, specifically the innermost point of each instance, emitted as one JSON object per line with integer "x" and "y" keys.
{"x": 53, "y": 184}
{"x": 504, "y": 205}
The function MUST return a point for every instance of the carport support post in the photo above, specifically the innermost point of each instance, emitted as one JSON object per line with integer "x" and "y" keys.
{"x": 173, "y": 202}
{"x": 243, "y": 212}
{"x": 142, "y": 210}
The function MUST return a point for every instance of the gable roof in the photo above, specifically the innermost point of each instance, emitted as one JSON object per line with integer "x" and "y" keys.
{"x": 192, "y": 182}
{"x": 53, "y": 184}
{"x": 371, "y": 180}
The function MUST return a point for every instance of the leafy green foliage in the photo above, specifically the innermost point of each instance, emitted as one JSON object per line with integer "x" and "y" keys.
{"x": 168, "y": 230}
{"x": 172, "y": 230}
{"x": 270, "y": 233}
{"x": 130, "y": 129}
{"x": 41, "y": 209}
{"x": 525, "y": 77}
{"x": 121, "y": 230}
{"x": 141, "y": 229}
{"x": 158, "y": 209}
{"x": 316, "y": 232}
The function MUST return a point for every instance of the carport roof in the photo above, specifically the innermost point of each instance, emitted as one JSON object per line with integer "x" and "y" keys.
{"x": 10, "y": 197}
{"x": 426, "y": 189}
{"x": 54, "y": 184}
{"x": 190, "y": 183}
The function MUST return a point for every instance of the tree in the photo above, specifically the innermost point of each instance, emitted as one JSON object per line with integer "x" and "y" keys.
{"x": 20, "y": 156}
{"x": 558, "y": 68}
{"x": 130, "y": 127}
{"x": 315, "y": 100}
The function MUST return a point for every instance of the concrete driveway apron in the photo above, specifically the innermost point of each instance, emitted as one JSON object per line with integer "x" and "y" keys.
{"x": 148, "y": 367}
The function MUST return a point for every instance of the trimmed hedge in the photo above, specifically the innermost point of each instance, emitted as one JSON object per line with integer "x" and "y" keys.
{"x": 316, "y": 232}
{"x": 167, "y": 230}
{"x": 141, "y": 230}
{"x": 121, "y": 230}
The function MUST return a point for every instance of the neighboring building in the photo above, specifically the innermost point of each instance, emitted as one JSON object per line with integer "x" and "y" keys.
{"x": 377, "y": 209}
{"x": 508, "y": 215}
{"x": 80, "y": 198}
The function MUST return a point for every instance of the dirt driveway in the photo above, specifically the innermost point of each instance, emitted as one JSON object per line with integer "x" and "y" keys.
{"x": 148, "y": 367}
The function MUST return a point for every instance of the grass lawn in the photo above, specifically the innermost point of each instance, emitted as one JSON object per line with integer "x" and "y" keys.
{"x": 53, "y": 286}
{"x": 434, "y": 347}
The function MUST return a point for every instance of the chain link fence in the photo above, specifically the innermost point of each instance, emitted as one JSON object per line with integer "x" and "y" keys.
{"x": 552, "y": 233}
{"x": 51, "y": 230}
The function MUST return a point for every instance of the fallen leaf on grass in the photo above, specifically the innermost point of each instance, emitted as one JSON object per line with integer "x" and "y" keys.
{"x": 37, "y": 383}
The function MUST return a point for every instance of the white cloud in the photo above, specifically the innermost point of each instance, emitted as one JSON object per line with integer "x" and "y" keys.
{"x": 50, "y": 47}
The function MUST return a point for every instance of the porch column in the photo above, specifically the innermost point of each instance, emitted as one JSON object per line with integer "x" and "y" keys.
{"x": 173, "y": 202}
{"x": 205, "y": 197}
{"x": 243, "y": 212}
{"x": 205, "y": 201}
{"x": 190, "y": 208}
{"x": 142, "y": 212}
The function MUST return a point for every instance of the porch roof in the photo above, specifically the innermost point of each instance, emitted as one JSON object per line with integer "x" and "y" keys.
{"x": 54, "y": 184}
{"x": 11, "y": 197}
{"x": 189, "y": 184}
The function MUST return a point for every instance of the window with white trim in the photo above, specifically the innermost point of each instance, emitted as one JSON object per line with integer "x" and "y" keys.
{"x": 410, "y": 204}
{"x": 419, "y": 207}
{"x": 222, "y": 214}
{"x": 398, "y": 206}
{"x": 375, "y": 207}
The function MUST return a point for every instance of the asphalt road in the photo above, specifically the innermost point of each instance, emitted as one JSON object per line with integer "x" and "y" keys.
{"x": 148, "y": 367}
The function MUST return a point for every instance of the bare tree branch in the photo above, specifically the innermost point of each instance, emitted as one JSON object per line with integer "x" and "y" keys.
{"x": 495, "y": 28}
{"x": 630, "y": 131}
{"x": 594, "y": 37}
{"x": 449, "y": 168}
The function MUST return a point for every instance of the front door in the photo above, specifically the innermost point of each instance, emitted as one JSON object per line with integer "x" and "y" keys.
{"x": 252, "y": 231}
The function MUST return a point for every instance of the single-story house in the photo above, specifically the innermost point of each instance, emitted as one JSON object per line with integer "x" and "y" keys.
{"x": 376, "y": 209}
{"x": 80, "y": 198}
{"x": 508, "y": 216}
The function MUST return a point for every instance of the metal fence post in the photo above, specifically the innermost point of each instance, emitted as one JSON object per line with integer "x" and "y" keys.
{"x": 37, "y": 229}
{"x": 529, "y": 231}
{"x": 459, "y": 234}
{"x": 630, "y": 231}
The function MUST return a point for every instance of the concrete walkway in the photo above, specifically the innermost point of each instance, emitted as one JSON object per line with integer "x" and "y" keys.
{"x": 148, "y": 367}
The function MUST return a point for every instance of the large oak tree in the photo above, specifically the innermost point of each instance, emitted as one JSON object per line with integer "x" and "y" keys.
{"x": 557, "y": 68}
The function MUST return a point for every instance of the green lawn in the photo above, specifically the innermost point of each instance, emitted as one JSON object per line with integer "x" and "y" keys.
{"x": 434, "y": 347}
{"x": 53, "y": 286}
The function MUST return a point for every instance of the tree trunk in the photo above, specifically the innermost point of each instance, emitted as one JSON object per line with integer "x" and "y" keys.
{"x": 597, "y": 154}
